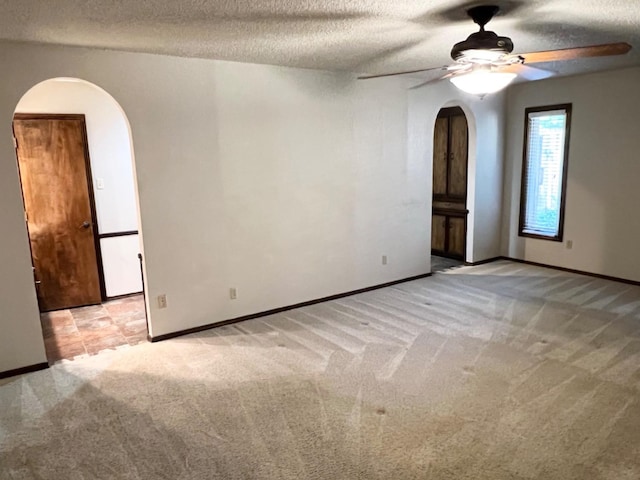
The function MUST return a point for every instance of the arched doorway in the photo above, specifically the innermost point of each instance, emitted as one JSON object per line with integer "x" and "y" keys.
{"x": 450, "y": 178}
{"x": 75, "y": 159}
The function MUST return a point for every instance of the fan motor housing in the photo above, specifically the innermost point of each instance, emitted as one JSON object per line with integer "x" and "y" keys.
{"x": 482, "y": 40}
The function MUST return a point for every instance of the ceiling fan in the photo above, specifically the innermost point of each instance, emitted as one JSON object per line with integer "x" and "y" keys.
{"x": 484, "y": 63}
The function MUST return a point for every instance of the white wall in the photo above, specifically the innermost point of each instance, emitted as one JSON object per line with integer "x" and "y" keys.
{"x": 486, "y": 141}
{"x": 602, "y": 197}
{"x": 285, "y": 184}
{"x": 111, "y": 167}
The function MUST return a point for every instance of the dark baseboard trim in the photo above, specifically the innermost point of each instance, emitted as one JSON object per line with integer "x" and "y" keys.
{"x": 231, "y": 321}
{"x": 21, "y": 371}
{"x": 571, "y": 270}
{"x": 252, "y": 316}
{"x": 483, "y": 262}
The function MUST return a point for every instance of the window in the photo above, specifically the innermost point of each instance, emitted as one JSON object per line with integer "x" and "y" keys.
{"x": 544, "y": 171}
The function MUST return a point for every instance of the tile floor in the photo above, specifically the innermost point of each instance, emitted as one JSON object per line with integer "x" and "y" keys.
{"x": 89, "y": 330}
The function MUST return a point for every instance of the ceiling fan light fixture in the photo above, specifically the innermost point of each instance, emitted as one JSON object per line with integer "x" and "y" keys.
{"x": 483, "y": 82}
{"x": 481, "y": 56}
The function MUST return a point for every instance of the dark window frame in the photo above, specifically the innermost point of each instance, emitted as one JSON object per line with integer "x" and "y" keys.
{"x": 567, "y": 107}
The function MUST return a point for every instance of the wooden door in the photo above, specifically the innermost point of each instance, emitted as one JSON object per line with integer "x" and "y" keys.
{"x": 458, "y": 157}
{"x": 450, "y": 153}
{"x": 456, "y": 228}
{"x": 55, "y": 175}
{"x": 440, "y": 156}
{"x": 438, "y": 233}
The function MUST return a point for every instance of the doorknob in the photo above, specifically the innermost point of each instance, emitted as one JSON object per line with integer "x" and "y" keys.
{"x": 85, "y": 224}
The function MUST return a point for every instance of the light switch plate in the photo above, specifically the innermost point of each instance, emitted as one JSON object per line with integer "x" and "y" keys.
{"x": 162, "y": 301}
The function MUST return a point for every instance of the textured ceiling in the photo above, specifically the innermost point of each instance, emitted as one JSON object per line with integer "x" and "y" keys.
{"x": 363, "y": 36}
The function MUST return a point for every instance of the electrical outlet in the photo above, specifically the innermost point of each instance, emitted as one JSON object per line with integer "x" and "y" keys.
{"x": 162, "y": 301}
{"x": 384, "y": 259}
{"x": 233, "y": 293}
{"x": 569, "y": 244}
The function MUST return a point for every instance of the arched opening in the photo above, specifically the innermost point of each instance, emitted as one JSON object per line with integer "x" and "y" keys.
{"x": 76, "y": 165}
{"x": 452, "y": 188}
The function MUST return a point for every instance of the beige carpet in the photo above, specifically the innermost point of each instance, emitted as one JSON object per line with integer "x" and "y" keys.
{"x": 501, "y": 371}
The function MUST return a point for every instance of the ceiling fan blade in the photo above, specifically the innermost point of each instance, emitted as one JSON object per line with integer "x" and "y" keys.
{"x": 604, "y": 50}
{"x": 456, "y": 67}
{"x": 434, "y": 80}
{"x": 528, "y": 73}
{"x": 368, "y": 77}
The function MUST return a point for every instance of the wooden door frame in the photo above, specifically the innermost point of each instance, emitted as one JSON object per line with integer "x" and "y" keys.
{"x": 92, "y": 202}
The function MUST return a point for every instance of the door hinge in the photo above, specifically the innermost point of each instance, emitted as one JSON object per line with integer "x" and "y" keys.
{"x": 15, "y": 143}
{"x": 26, "y": 216}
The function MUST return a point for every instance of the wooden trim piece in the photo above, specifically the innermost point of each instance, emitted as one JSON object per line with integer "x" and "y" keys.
{"x": 565, "y": 170}
{"x": 563, "y": 194}
{"x": 48, "y": 116}
{"x": 144, "y": 294}
{"x": 126, "y": 295}
{"x": 571, "y": 270}
{"x": 118, "y": 234}
{"x": 449, "y": 162}
{"x": 21, "y": 371}
{"x": 252, "y": 316}
{"x": 557, "y": 238}
{"x": 94, "y": 215}
{"x": 484, "y": 262}
{"x": 450, "y": 212}
{"x": 450, "y": 112}
{"x": 451, "y": 198}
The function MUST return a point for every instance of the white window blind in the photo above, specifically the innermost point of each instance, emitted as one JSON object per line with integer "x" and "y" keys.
{"x": 543, "y": 175}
